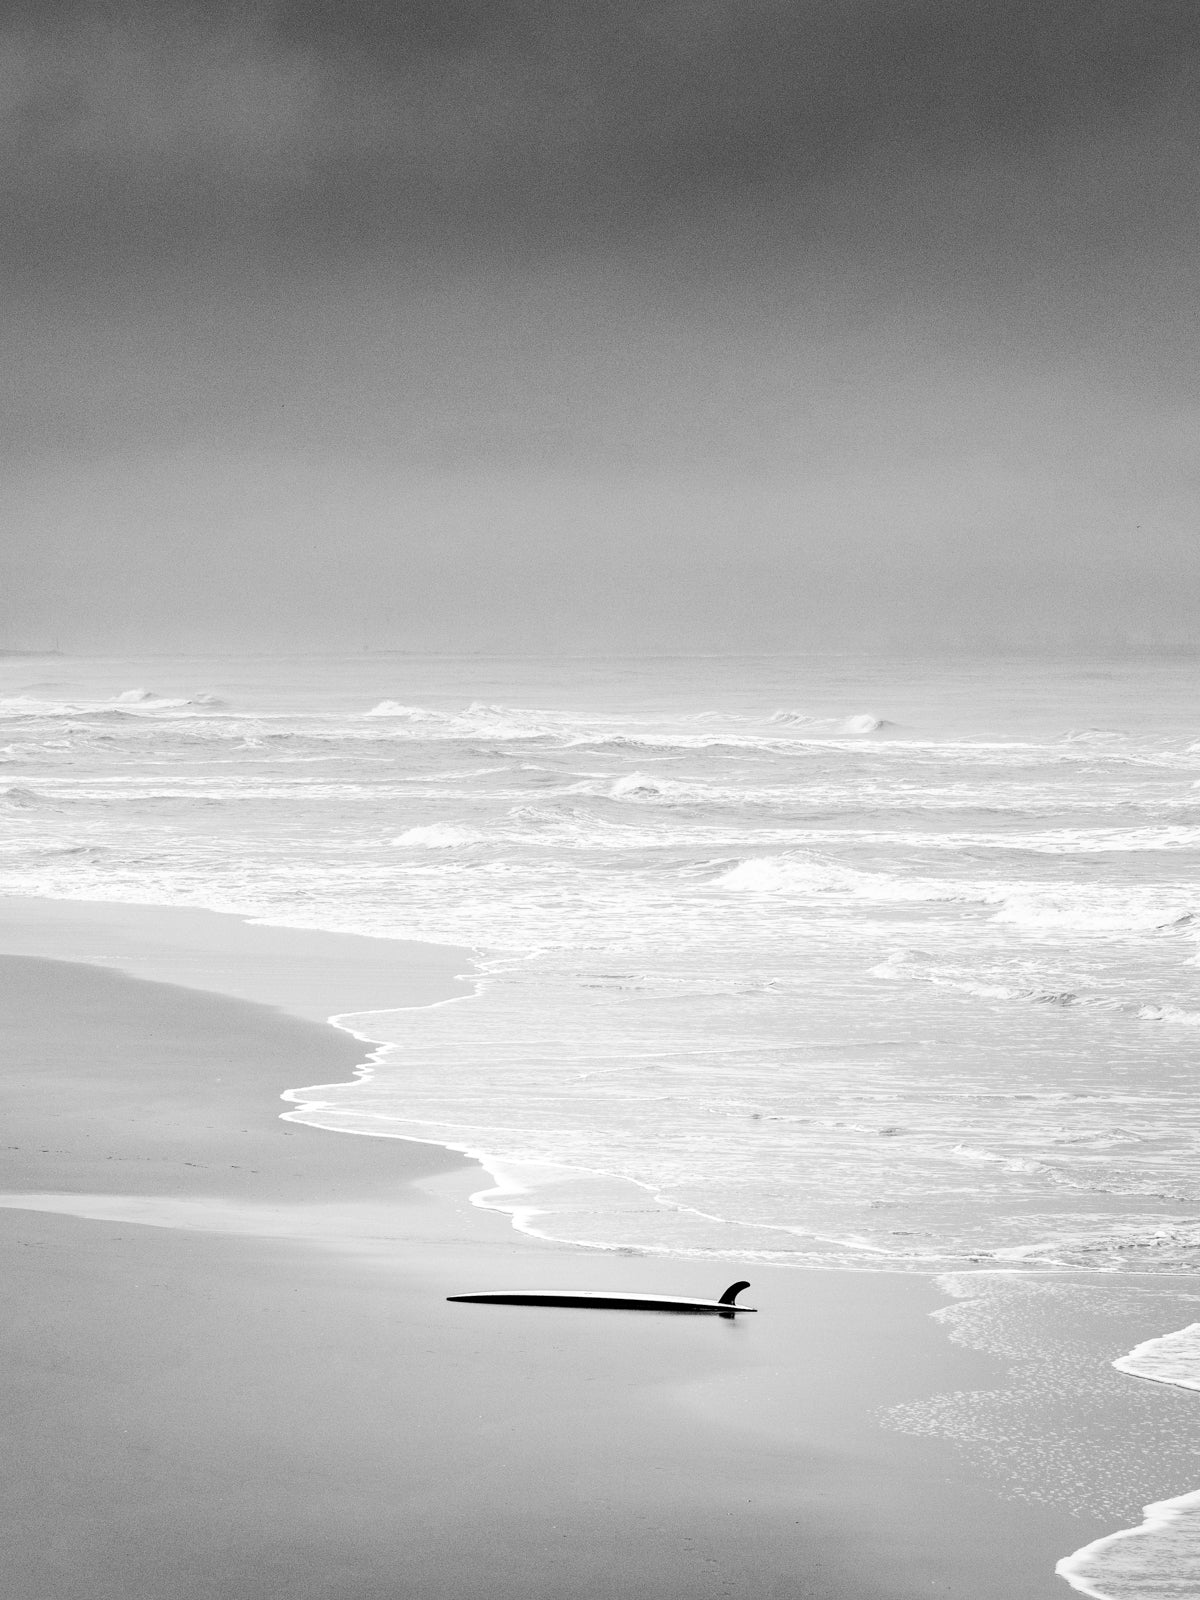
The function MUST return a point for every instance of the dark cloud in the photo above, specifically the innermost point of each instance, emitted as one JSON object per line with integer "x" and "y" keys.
{"x": 631, "y": 315}
{"x": 319, "y": 128}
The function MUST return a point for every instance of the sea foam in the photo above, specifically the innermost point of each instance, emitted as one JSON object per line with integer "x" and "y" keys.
{"x": 795, "y": 874}
{"x": 1157, "y": 1560}
{"x": 436, "y": 836}
{"x": 691, "y": 898}
{"x": 1160, "y": 1558}
{"x": 1172, "y": 1358}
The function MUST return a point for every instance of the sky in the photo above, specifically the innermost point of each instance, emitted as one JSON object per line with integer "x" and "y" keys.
{"x": 637, "y": 324}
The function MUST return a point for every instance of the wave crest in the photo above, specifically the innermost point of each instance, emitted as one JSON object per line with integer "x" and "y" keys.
{"x": 813, "y": 874}
{"x": 436, "y": 836}
{"x": 863, "y": 722}
{"x": 1097, "y": 908}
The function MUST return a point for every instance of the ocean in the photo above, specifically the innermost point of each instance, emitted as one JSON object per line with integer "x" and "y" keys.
{"x": 825, "y": 961}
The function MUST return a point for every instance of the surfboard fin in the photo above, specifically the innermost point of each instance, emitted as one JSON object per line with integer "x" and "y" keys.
{"x": 733, "y": 1291}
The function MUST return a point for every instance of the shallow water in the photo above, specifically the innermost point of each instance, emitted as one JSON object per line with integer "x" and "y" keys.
{"x": 836, "y": 961}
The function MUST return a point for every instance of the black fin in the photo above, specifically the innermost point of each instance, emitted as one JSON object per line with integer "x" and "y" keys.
{"x": 733, "y": 1291}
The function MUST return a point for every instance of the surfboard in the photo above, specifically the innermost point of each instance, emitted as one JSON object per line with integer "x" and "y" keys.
{"x": 608, "y": 1300}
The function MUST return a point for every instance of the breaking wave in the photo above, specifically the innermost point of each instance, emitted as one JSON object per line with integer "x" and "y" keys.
{"x": 1100, "y": 908}
{"x": 813, "y": 874}
{"x": 129, "y": 703}
{"x": 477, "y": 721}
{"x": 437, "y": 836}
{"x": 860, "y": 724}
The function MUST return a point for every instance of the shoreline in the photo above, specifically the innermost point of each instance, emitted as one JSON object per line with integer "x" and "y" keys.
{"x": 1158, "y": 1517}
{"x": 309, "y": 973}
{"x": 784, "y": 1421}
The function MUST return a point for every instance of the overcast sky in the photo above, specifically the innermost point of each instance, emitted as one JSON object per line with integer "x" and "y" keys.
{"x": 547, "y": 323}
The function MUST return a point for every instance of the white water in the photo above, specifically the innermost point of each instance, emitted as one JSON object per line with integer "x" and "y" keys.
{"x": 1160, "y": 1558}
{"x": 819, "y": 960}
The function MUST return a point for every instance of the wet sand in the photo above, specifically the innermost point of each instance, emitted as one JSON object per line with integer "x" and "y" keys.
{"x": 230, "y": 1368}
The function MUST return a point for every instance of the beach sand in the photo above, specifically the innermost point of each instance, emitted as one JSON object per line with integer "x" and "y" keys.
{"x": 230, "y": 1368}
